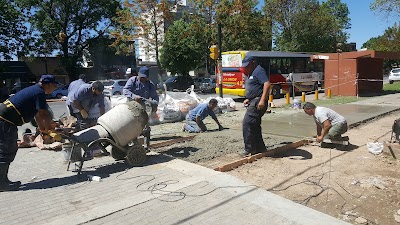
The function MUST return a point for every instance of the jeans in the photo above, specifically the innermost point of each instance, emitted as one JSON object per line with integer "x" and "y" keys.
{"x": 193, "y": 127}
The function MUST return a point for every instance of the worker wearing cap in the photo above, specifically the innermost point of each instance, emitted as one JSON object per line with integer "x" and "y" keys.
{"x": 84, "y": 99}
{"x": 257, "y": 89}
{"x": 72, "y": 88}
{"x": 141, "y": 89}
{"x": 21, "y": 108}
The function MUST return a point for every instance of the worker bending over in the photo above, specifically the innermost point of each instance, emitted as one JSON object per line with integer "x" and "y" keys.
{"x": 194, "y": 119}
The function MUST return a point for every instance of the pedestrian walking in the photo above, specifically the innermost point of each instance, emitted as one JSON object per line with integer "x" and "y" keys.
{"x": 330, "y": 124}
{"x": 194, "y": 119}
{"x": 21, "y": 108}
{"x": 257, "y": 89}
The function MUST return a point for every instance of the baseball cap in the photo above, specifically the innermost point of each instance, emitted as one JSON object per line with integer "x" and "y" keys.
{"x": 144, "y": 72}
{"x": 48, "y": 79}
{"x": 247, "y": 60}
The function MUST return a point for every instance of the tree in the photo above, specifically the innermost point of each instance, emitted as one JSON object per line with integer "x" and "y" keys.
{"x": 389, "y": 41}
{"x": 184, "y": 47}
{"x": 244, "y": 27}
{"x": 144, "y": 20}
{"x": 388, "y": 7}
{"x": 307, "y": 26}
{"x": 66, "y": 26}
{"x": 12, "y": 30}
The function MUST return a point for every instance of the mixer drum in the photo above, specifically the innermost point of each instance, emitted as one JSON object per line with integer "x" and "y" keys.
{"x": 124, "y": 122}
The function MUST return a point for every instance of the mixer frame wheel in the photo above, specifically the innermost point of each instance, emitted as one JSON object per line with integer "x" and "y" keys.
{"x": 117, "y": 153}
{"x": 136, "y": 155}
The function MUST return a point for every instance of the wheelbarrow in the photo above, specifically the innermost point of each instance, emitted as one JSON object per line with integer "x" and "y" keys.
{"x": 120, "y": 127}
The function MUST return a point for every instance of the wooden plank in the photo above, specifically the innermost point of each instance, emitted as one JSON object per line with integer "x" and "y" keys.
{"x": 252, "y": 158}
{"x": 171, "y": 142}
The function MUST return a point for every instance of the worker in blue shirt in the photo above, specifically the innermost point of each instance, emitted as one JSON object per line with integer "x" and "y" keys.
{"x": 74, "y": 86}
{"x": 194, "y": 119}
{"x": 139, "y": 88}
{"x": 84, "y": 99}
{"x": 21, "y": 108}
{"x": 257, "y": 89}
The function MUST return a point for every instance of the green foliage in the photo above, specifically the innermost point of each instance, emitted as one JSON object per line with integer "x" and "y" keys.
{"x": 243, "y": 26}
{"x": 307, "y": 26}
{"x": 184, "y": 47}
{"x": 389, "y": 42}
{"x": 67, "y": 26}
{"x": 13, "y": 33}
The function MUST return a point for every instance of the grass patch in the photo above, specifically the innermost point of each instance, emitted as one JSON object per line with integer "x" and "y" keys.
{"x": 337, "y": 100}
{"x": 395, "y": 87}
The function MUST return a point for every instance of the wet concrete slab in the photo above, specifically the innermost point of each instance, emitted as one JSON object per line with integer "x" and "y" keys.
{"x": 300, "y": 125}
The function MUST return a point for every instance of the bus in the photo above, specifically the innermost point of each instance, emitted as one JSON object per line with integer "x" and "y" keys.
{"x": 288, "y": 72}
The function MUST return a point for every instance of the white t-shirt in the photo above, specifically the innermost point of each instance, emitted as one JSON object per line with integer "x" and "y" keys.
{"x": 321, "y": 114}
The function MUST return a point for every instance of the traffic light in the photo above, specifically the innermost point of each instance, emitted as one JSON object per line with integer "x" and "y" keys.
{"x": 214, "y": 52}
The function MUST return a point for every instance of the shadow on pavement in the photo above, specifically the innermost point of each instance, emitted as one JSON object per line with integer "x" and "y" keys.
{"x": 103, "y": 171}
{"x": 346, "y": 148}
{"x": 180, "y": 152}
{"x": 294, "y": 152}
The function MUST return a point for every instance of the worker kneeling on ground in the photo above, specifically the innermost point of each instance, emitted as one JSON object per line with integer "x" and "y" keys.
{"x": 21, "y": 108}
{"x": 330, "y": 125}
{"x": 194, "y": 119}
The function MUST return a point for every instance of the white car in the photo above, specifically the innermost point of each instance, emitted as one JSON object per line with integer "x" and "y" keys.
{"x": 113, "y": 87}
{"x": 394, "y": 75}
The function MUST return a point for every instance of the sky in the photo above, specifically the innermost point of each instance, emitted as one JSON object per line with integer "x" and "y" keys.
{"x": 365, "y": 23}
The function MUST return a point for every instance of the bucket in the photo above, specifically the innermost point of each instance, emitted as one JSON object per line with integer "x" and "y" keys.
{"x": 69, "y": 154}
{"x": 296, "y": 104}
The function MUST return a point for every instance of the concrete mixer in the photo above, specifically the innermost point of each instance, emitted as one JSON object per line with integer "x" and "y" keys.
{"x": 120, "y": 127}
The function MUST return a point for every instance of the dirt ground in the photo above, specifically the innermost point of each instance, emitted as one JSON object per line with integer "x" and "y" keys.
{"x": 352, "y": 185}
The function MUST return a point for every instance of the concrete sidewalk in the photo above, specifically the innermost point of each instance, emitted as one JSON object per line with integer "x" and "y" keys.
{"x": 164, "y": 191}
{"x": 300, "y": 125}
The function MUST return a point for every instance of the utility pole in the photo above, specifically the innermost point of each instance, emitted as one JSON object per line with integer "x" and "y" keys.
{"x": 219, "y": 61}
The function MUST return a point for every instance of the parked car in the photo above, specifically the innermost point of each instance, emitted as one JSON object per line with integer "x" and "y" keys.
{"x": 179, "y": 83}
{"x": 113, "y": 87}
{"x": 198, "y": 81}
{"x": 208, "y": 85}
{"x": 394, "y": 75}
{"x": 59, "y": 92}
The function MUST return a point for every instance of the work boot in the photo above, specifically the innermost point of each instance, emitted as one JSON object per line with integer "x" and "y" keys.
{"x": 17, "y": 183}
{"x": 5, "y": 184}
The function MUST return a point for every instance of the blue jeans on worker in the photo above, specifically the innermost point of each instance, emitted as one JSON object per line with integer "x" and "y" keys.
{"x": 192, "y": 127}
{"x": 8, "y": 141}
{"x": 252, "y": 133}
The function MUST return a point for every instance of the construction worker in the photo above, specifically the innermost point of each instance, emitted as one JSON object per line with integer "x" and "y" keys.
{"x": 84, "y": 99}
{"x": 73, "y": 86}
{"x": 194, "y": 119}
{"x": 330, "y": 125}
{"x": 139, "y": 88}
{"x": 21, "y": 108}
{"x": 256, "y": 102}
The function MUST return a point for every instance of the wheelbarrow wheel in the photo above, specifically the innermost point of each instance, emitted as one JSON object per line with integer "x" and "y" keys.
{"x": 136, "y": 155}
{"x": 117, "y": 154}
